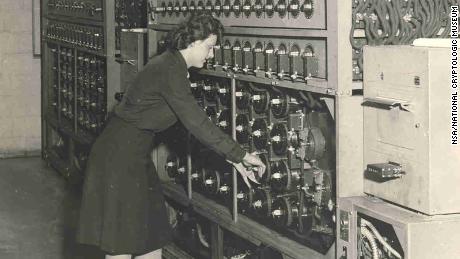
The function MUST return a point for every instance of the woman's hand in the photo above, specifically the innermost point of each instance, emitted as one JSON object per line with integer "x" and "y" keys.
{"x": 250, "y": 164}
{"x": 253, "y": 162}
{"x": 245, "y": 174}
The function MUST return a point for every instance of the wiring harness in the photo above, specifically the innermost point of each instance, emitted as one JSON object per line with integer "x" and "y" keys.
{"x": 370, "y": 233}
{"x": 396, "y": 22}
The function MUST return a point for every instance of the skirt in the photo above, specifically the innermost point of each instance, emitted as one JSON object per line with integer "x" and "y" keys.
{"x": 123, "y": 209}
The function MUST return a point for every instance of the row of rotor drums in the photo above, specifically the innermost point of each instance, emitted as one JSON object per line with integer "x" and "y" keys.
{"x": 262, "y": 100}
{"x": 279, "y": 137}
{"x": 215, "y": 98}
{"x": 259, "y": 100}
{"x": 294, "y": 8}
{"x": 278, "y": 176}
{"x": 265, "y": 125}
{"x": 212, "y": 182}
{"x": 212, "y": 91}
{"x": 288, "y": 210}
{"x": 278, "y": 199}
{"x": 253, "y": 109}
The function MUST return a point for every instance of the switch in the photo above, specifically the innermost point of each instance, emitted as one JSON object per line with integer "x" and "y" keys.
{"x": 237, "y": 57}
{"x": 248, "y": 58}
{"x": 259, "y": 57}
{"x": 296, "y": 63}
{"x": 227, "y": 51}
{"x": 218, "y": 56}
{"x": 311, "y": 67}
{"x": 283, "y": 62}
{"x": 310, "y": 62}
{"x": 271, "y": 65}
{"x": 169, "y": 8}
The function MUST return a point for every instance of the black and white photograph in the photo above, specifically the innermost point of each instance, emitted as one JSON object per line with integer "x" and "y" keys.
{"x": 229, "y": 129}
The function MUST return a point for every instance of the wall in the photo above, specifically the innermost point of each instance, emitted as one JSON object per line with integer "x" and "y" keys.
{"x": 20, "y": 130}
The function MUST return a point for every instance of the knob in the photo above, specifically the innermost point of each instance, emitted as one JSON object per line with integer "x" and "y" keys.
{"x": 226, "y": 8}
{"x": 236, "y": 7}
{"x": 177, "y": 8}
{"x": 269, "y": 8}
{"x": 169, "y": 8}
{"x": 307, "y": 8}
{"x": 160, "y": 9}
{"x": 269, "y": 73}
{"x": 184, "y": 7}
{"x": 294, "y": 8}
{"x": 247, "y": 8}
{"x": 208, "y": 7}
{"x": 119, "y": 96}
{"x": 258, "y": 8}
{"x": 281, "y": 74}
{"x": 281, "y": 8}
{"x": 218, "y": 7}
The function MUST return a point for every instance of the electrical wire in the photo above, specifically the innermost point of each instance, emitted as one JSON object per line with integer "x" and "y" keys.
{"x": 255, "y": 88}
{"x": 393, "y": 22}
{"x": 201, "y": 236}
{"x": 375, "y": 232}
{"x": 371, "y": 239}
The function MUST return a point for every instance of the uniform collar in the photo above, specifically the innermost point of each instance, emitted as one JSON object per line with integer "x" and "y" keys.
{"x": 179, "y": 59}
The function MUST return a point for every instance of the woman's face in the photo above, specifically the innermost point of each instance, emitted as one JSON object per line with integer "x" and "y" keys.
{"x": 201, "y": 50}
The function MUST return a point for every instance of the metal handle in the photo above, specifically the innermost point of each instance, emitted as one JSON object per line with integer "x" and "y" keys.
{"x": 390, "y": 102}
{"x": 132, "y": 62}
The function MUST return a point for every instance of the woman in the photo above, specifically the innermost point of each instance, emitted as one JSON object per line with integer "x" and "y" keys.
{"x": 123, "y": 210}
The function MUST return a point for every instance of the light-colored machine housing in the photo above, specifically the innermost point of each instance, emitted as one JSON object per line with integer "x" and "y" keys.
{"x": 420, "y": 236}
{"x": 407, "y": 122}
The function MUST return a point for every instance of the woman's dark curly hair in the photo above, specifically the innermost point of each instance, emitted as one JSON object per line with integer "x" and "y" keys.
{"x": 197, "y": 27}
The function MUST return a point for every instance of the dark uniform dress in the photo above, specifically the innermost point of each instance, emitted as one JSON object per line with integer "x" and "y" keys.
{"x": 123, "y": 209}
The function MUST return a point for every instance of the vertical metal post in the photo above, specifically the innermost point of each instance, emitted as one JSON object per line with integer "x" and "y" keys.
{"x": 189, "y": 167}
{"x": 234, "y": 172}
{"x": 44, "y": 81}
{"x": 58, "y": 68}
{"x": 112, "y": 67}
{"x": 217, "y": 242}
{"x": 349, "y": 165}
{"x": 132, "y": 44}
{"x": 44, "y": 95}
{"x": 74, "y": 89}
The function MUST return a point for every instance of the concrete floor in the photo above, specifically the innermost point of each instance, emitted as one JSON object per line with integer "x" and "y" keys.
{"x": 38, "y": 213}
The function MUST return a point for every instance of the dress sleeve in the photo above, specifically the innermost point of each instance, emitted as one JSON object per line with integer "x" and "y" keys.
{"x": 178, "y": 95}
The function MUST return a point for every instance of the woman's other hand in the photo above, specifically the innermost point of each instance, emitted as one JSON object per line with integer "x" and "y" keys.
{"x": 253, "y": 163}
{"x": 245, "y": 173}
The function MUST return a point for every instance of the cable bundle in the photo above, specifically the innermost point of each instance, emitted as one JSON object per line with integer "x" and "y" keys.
{"x": 398, "y": 22}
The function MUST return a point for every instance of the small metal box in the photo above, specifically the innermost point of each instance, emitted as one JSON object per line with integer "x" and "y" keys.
{"x": 407, "y": 126}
